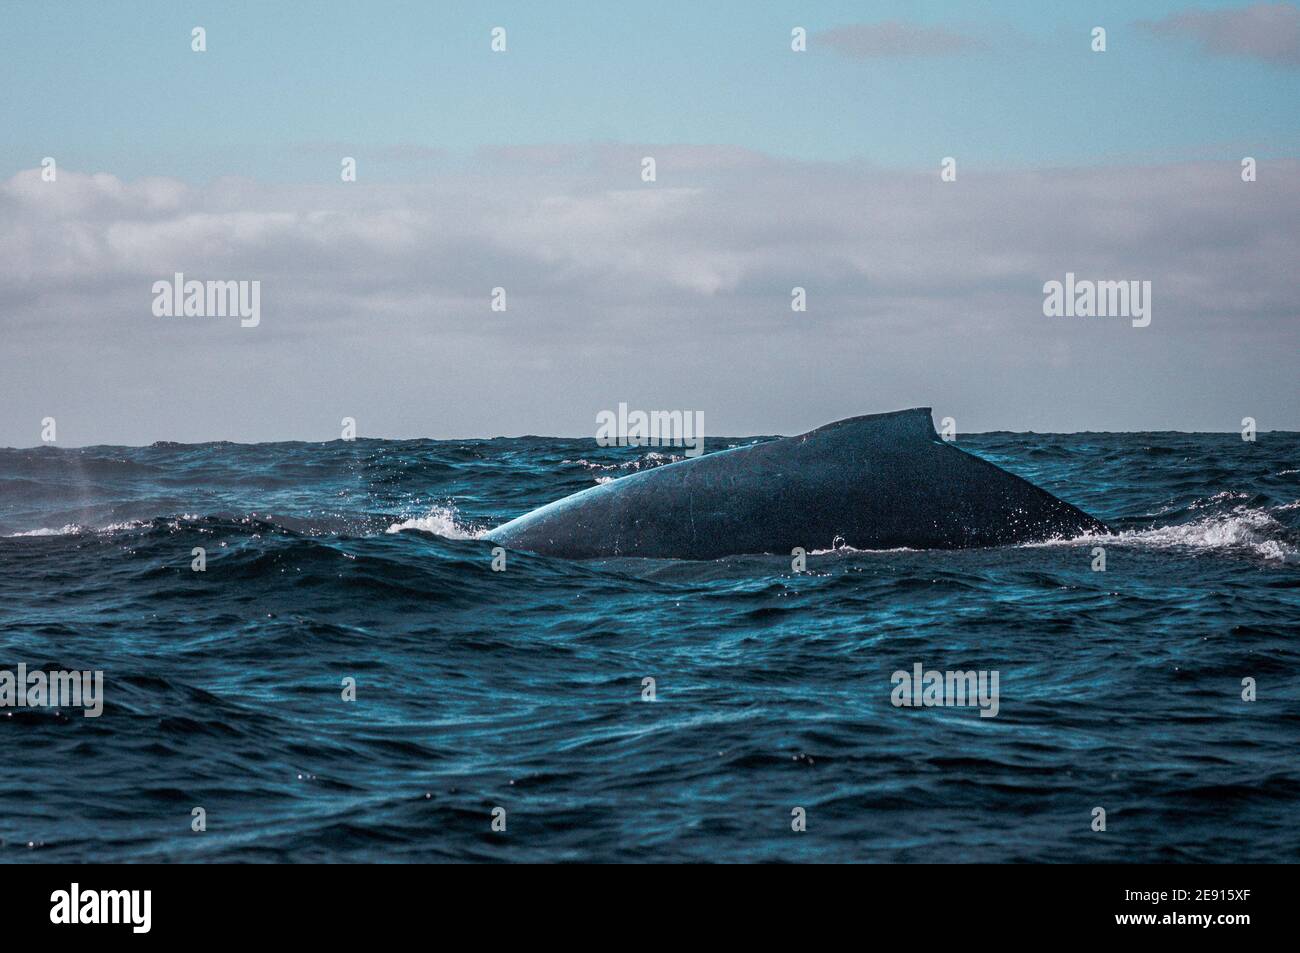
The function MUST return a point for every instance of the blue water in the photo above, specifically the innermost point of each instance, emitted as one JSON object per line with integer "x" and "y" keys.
{"x": 522, "y": 689}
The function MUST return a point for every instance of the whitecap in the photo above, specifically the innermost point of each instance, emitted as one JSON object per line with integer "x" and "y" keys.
{"x": 441, "y": 521}
{"x": 1244, "y": 529}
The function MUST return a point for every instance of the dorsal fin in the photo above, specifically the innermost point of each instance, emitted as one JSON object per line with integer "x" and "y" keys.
{"x": 911, "y": 424}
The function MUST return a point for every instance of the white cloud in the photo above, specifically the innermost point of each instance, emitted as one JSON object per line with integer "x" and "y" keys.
{"x": 676, "y": 294}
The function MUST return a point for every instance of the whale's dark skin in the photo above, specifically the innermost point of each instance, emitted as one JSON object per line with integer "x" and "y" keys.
{"x": 875, "y": 482}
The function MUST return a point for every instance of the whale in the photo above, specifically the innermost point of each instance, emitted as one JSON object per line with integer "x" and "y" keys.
{"x": 880, "y": 481}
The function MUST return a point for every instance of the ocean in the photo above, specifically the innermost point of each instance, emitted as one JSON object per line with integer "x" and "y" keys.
{"x": 508, "y": 715}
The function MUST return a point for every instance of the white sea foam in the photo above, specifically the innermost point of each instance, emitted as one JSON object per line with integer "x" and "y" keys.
{"x": 647, "y": 461}
{"x": 1244, "y": 529}
{"x": 78, "y": 529}
{"x": 67, "y": 530}
{"x": 442, "y": 521}
{"x": 845, "y": 548}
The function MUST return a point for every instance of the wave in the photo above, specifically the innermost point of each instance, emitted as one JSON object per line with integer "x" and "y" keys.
{"x": 1249, "y": 530}
{"x": 1245, "y": 530}
{"x": 648, "y": 461}
{"x": 78, "y": 529}
{"x": 441, "y": 521}
{"x": 839, "y": 546}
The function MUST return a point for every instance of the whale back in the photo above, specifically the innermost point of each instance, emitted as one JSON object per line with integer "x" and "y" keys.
{"x": 875, "y": 482}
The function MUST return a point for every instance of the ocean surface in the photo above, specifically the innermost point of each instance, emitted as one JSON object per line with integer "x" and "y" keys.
{"x": 523, "y": 689}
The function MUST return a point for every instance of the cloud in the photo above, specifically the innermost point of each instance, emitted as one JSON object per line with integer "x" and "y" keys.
{"x": 894, "y": 38}
{"x": 375, "y": 297}
{"x": 1263, "y": 31}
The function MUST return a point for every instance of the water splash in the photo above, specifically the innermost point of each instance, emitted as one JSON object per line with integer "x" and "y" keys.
{"x": 441, "y": 520}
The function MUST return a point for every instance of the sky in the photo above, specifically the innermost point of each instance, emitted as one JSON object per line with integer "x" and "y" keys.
{"x": 775, "y": 169}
